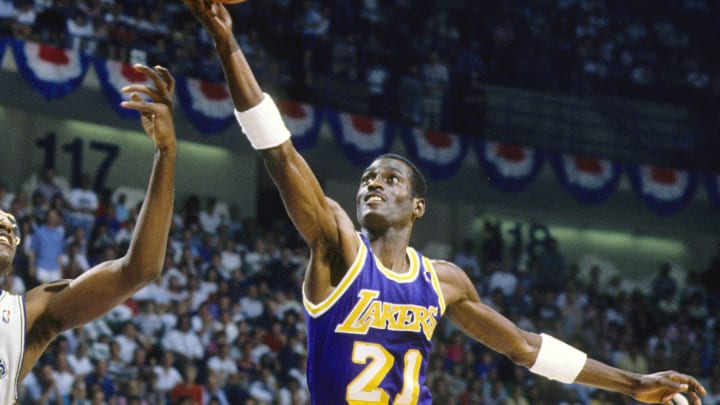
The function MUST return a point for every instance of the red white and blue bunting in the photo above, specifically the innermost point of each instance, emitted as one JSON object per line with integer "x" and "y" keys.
{"x": 113, "y": 76}
{"x": 511, "y": 168}
{"x": 712, "y": 185}
{"x": 303, "y": 121}
{"x": 666, "y": 191}
{"x": 440, "y": 154}
{"x": 53, "y": 72}
{"x": 590, "y": 180}
{"x": 208, "y": 105}
{"x": 56, "y": 72}
{"x": 362, "y": 138}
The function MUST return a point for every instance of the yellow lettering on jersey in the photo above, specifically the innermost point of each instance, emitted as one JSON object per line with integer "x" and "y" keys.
{"x": 369, "y": 312}
{"x": 353, "y": 323}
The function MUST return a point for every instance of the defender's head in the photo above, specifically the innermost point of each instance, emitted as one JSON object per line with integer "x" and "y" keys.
{"x": 9, "y": 241}
{"x": 392, "y": 193}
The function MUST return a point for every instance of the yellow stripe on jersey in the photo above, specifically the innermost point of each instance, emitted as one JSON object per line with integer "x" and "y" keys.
{"x": 436, "y": 283}
{"x": 316, "y": 310}
{"x": 411, "y": 274}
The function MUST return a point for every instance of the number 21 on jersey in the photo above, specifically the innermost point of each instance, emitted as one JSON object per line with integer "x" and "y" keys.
{"x": 365, "y": 388}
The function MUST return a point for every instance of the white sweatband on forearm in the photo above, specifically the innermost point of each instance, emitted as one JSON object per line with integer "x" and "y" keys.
{"x": 558, "y": 360}
{"x": 263, "y": 124}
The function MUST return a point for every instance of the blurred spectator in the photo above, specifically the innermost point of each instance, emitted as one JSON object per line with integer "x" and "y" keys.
{"x": 213, "y": 393}
{"x": 81, "y": 30}
{"x": 24, "y": 18}
{"x": 101, "y": 380}
{"x": 168, "y": 377}
{"x": 47, "y": 249}
{"x": 222, "y": 365}
{"x": 47, "y": 184}
{"x": 435, "y": 81}
{"x": 664, "y": 286}
{"x": 63, "y": 375}
{"x": 84, "y": 202}
{"x": 375, "y": 77}
{"x": 344, "y": 55}
{"x": 409, "y": 93}
{"x": 292, "y": 394}
{"x": 51, "y": 24}
{"x": 188, "y": 387}
{"x": 183, "y": 342}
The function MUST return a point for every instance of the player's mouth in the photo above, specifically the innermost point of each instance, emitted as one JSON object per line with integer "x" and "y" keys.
{"x": 374, "y": 197}
{"x": 6, "y": 239}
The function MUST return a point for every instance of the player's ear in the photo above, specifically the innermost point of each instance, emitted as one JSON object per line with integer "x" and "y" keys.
{"x": 419, "y": 208}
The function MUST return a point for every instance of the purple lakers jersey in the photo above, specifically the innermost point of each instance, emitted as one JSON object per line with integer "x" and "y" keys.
{"x": 369, "y": 341}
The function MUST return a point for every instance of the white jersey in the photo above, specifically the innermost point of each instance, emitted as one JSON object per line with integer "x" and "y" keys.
{"x": 12, "y": 344}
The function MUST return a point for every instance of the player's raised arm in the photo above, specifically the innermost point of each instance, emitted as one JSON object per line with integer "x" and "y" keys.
{"x": 312, "y": 214}
{"x": 55, "y": 307}
{"x": 547, "y": 356}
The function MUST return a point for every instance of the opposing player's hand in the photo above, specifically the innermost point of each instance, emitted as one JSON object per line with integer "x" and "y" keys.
{"x": 213, "y": 16}
{"x": 156, "y": 114}
{"x": 660, "y": 388}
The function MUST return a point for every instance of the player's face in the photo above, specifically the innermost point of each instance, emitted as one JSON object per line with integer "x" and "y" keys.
{"x": 9, "y": 240}
{"x": 385, "y": 196}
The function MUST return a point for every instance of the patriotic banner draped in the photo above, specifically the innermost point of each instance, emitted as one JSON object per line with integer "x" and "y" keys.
{"x": 712, "y": 184}
{"x": 440, "y": 154}
{"x": 303, "y": 121}
{"x": 588, "y": 179}
{"x": 53, "y": 72}
{"x": 208, "y": 105}
{"x": 362, "y": 138}
{"x": 511, "y": 168}
{"x": 666, "y": 191}
{"x": 113, "y": 76}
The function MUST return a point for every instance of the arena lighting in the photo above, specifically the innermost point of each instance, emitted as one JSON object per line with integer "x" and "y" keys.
{"x": 617, "y": 240}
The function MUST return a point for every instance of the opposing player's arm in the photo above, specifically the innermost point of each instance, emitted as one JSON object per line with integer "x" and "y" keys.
{"x": 55, "y": 307}
{"x": 465, "y": 309}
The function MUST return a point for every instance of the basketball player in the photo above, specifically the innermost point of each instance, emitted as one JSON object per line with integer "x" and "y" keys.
{"x": 372, "y": 302}
{"x": 29, "y": 323}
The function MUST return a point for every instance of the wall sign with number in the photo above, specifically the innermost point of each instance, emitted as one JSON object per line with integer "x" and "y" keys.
{"x": 76, "y": 150}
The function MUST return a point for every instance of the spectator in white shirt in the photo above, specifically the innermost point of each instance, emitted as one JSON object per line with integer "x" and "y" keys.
{"x": 80, "y": 362}
{"x": 209, "y": 217}
{"x": 24, "y": 20}
{"x": 167, "y": 375}
{"x": 81, "y": 30}
{"x": 222, "y": 365}
{"x": 84, "y": 202}
{"x": 63, "y": 375}
{"x": 251, "y": 305}
{"x": 183, "y": 341}
{"x": 230, "y": 260}
{"x": 503, "y": 279}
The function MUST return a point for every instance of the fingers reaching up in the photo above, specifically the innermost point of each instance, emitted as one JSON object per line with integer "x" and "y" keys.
{"x": 156, "y": 114}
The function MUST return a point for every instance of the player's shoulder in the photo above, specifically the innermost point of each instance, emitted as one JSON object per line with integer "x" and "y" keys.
{"x": 446, "y": 270}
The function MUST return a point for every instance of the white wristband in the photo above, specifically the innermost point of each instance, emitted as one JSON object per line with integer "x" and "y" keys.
{"x": 263, "y": 124}
{"x": 558, "y": 360}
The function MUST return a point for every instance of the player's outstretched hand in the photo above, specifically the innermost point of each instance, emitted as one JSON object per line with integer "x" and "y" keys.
{"x": 213, "y": 16}
{"x": 156, "y": 114}
{"x": 660, "y": 388}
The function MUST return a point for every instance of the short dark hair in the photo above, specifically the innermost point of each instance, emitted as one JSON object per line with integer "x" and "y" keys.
{"x": 417, "y": 182}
